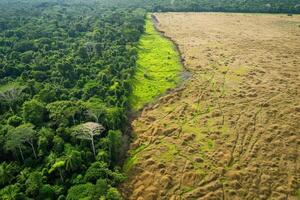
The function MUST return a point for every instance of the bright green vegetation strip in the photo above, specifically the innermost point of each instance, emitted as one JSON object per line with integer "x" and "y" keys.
{"x": 158, "y": 67}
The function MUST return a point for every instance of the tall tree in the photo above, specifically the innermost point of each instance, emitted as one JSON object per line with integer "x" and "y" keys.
{"x": 8, "y": 172}
{"x": 14, "y": 143}
{"x": 88, "y": 131}
{"x": 18, "y": 137}
{"x": 28, "y": 135}
{"x": 11, "y": 97}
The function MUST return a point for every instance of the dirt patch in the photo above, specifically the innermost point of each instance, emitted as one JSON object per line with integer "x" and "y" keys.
{"x": 232, "y": 130}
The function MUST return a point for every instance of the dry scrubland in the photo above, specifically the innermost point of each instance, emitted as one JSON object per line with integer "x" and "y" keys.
{"x": 232, "y": 130}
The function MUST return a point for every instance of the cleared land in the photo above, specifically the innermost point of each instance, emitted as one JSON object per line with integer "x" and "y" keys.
{"x": 158, "y": 67}
{"x": 232, "y": 130}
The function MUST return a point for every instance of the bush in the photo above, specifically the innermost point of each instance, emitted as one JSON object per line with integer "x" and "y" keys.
{"x": 34, "y": 112}
{"x": 113, "y": 194}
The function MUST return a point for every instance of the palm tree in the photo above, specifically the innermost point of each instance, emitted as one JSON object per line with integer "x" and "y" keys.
{"x": 72, "y": 160}
{"x": 4, "y": 175}
{"x": 58, "y": 166}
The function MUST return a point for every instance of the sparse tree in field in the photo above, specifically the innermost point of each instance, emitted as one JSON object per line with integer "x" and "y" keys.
{"x": 88, "y": 131}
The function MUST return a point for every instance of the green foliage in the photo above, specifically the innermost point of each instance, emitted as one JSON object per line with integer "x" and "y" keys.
{"x": 11, "y": 192}
{"x": 158, "y": 67}
{"x": 95, "y": 171}
{"x": 269, "y": 6}
{"x": 47, "y": 192}
{"x": 11, "y": 99}
{"x": 113, "y": 194}
{"x": 47, "y": 94}
{"x": 14, "y": 121}
{"x": 88, "y": 191}
{"x": 73, "y": 160}
{"x": 33, "y": 184}
{"x": 59, "y": 164}
{"x": 8, "y": 172}
{"x": 83, "y": 191}
{"x": 101, "y": 188}
{"x": 45, "y": 141}
{"x": 34, "y": 112}
{"x": 58, "y": 146}
{"x": 65, "y": 112}
{"x": 14, "y": 142}
{"x": 115, "y": 142}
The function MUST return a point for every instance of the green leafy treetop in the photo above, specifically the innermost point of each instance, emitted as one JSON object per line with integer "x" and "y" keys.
{"x": 18, "y": 137}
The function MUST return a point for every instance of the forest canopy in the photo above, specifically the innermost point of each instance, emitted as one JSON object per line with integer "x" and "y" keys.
{"x": 253, "y": 6}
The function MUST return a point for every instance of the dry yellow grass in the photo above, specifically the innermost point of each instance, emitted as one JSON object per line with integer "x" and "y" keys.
{"x": 232, "y": 130}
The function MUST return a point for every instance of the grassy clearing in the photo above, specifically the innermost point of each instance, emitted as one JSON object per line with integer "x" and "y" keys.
{"x": 158, "y": 67}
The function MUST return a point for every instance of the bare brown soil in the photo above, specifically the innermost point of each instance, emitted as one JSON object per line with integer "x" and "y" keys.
{"x": 232, "y": 130}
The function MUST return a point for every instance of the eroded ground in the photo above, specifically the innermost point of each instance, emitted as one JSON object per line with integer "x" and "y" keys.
{"x": 232, "y": 130}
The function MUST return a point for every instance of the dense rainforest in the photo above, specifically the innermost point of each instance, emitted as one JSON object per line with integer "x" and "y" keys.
{"x": 64, "y": 81}
{"x": 253, "y": 6}
{"x": 65, "y": 74}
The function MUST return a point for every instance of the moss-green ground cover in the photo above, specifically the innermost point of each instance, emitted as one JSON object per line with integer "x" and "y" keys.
{"x": 158, "y": 67}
